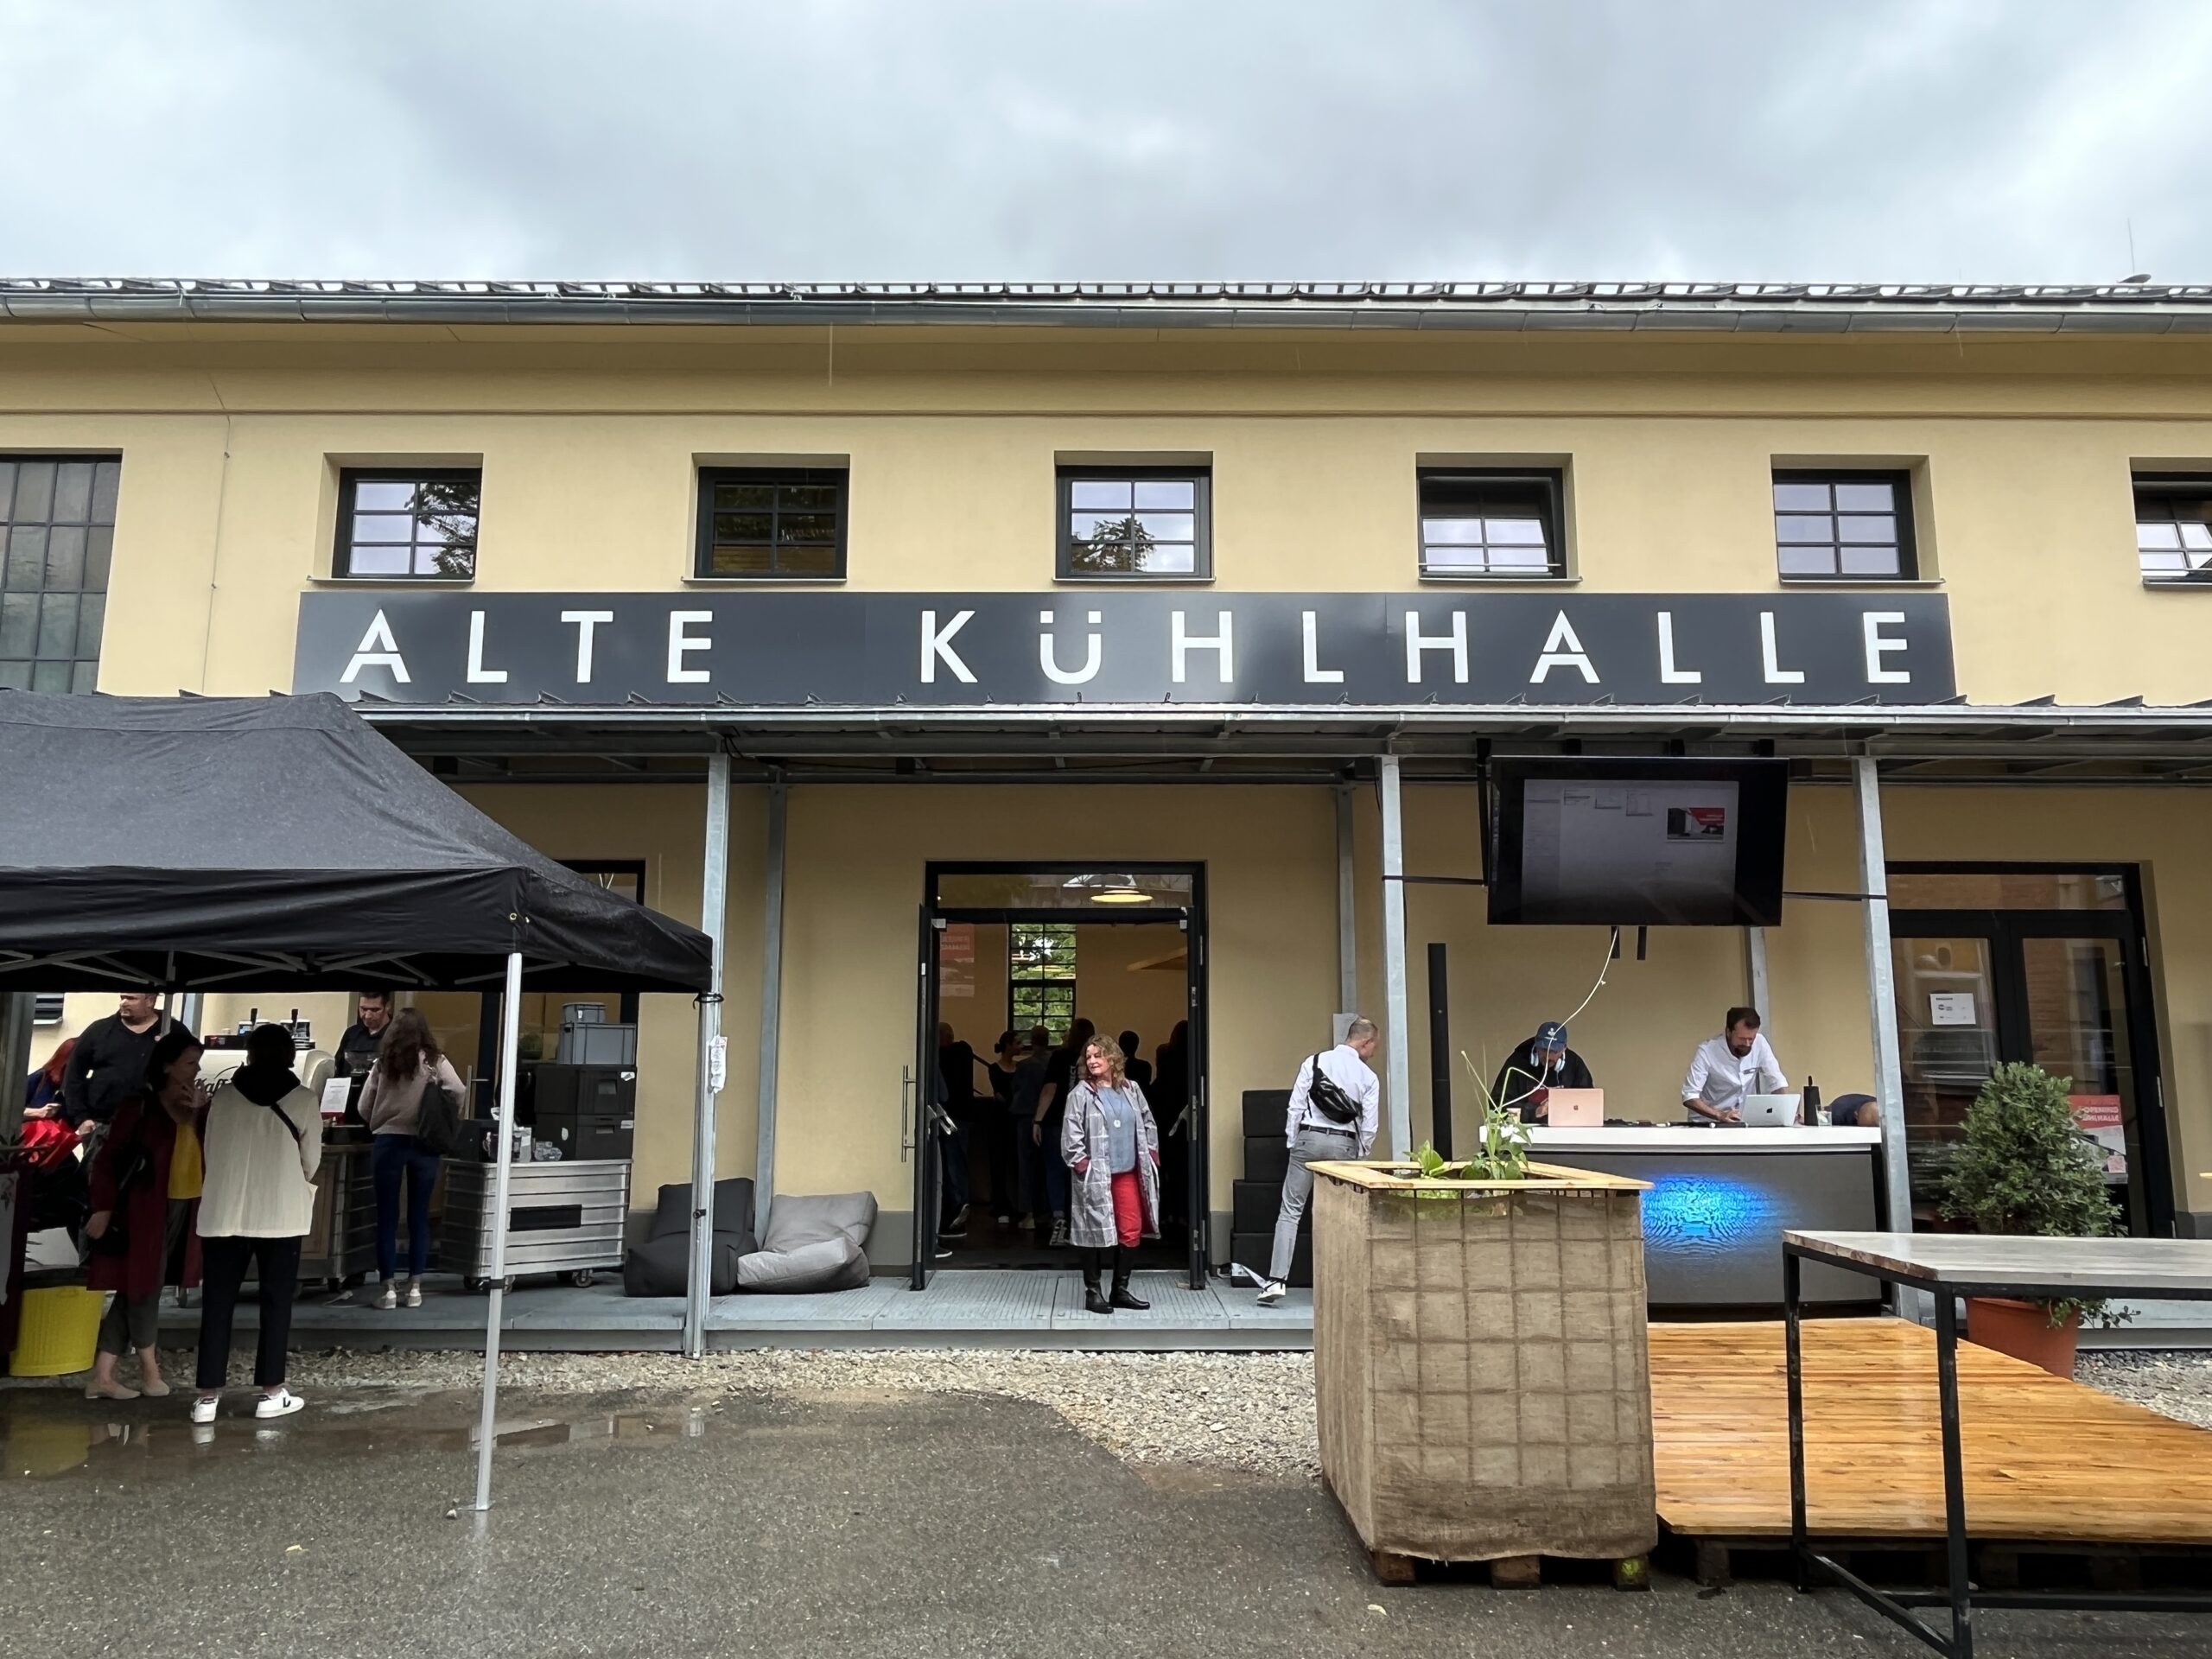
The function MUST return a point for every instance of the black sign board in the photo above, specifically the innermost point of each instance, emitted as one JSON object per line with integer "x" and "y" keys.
{"x": 1070, "y": 645}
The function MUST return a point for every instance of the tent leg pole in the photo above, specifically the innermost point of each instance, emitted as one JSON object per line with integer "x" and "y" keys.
{"x": 713, "y": 908}
{"x": 502, "y": 1179}
{"x": 18, "y": 1012}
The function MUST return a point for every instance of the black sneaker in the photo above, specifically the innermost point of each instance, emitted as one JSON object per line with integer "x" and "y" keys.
{"x": 954, "y": 1229}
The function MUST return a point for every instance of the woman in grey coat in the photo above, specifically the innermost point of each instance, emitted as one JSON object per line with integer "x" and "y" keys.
{"x": 1111, "y": 1145}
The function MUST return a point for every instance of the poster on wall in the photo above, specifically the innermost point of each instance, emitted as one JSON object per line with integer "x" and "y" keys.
{"x": 955, "y": 956}
{"x": 1950, "y": 1008}
{"x": 2098, "y": 1116}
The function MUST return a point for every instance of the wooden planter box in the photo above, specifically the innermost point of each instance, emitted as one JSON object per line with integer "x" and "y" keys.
{"x": 1481, "y": 1357}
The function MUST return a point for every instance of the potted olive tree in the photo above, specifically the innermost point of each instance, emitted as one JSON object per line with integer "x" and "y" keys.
{"x": 2022, "y": 1168}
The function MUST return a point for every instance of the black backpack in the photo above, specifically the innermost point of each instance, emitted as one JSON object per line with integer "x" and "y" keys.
{"x": 1323, "y": 1090}
{"x": 438, "y": 1120}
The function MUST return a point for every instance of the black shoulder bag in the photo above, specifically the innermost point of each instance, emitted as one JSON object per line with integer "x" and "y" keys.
{"x": 437, "y": 1121}
{"x": 1323, "y": 1090}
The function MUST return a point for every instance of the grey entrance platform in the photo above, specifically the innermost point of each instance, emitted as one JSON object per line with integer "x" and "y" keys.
{"x": 995, "y": 1309}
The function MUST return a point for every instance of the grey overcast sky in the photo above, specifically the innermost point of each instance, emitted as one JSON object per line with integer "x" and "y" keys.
{"x": 1040, "y": 140}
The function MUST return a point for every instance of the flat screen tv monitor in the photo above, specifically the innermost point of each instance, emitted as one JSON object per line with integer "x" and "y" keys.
{"x": 1637, "y": 843}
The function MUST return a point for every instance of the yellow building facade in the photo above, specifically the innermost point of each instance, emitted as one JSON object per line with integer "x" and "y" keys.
{"x": 2024, "y": 441}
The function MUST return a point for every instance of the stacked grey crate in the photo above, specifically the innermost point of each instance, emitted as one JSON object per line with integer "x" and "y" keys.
{"x": 1258, "y": 1196}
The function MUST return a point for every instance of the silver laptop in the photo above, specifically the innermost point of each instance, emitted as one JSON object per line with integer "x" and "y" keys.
{"x": 1770, "y": 1111}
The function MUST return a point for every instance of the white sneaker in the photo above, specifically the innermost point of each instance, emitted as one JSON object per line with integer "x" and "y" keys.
{"x": 1273, "y": 1292}
{"x": 203, "y": 1409}
{"x": 388, "y": 1298}
{"x": 415, "y": 1293}
{"x": 283, "y": 1403}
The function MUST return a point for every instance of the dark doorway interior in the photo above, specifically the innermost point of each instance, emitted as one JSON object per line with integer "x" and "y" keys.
{"x": 1005, "y": 951}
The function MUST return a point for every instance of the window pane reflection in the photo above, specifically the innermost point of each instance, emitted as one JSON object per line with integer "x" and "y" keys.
{"x": 765, "y": 523}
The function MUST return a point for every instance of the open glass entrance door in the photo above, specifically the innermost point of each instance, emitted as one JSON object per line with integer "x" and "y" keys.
{"x": 1198, "y": 1194}
{"x": 2046, "y": 967}
{"x": 1043, "y": 920}
{"x": 921, "y": 1140}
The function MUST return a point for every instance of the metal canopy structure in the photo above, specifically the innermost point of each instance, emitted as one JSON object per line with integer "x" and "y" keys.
{"x": 1955, "y": 743}
{"x": 1508, "y": 307}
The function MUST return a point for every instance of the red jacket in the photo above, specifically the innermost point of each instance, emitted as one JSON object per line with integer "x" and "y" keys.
{"x": 144, "y": 1212}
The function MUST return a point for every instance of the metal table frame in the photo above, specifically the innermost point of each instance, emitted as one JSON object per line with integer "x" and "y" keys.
{"x": 2090, "y": 1271}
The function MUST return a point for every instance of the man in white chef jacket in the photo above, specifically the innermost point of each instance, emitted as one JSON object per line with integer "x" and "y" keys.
{"x": 1728, "y": 1067}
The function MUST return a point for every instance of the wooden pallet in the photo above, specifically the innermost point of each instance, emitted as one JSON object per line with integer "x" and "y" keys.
{"x": 2048, "y": 1461}
{"x": 1508, "y": 1571}
{"x": 2033, "y": 1566}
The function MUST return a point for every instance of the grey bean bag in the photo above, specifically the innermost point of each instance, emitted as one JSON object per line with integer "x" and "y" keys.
{"x": 662, "y": 1265}
{"x": 813, "y": 1244}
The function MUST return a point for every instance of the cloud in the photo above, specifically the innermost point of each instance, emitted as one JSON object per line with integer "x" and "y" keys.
{"x": 967, "y": 139}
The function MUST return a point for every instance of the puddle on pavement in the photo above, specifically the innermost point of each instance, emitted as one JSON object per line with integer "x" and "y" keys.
{"x": 47, "y": 1434}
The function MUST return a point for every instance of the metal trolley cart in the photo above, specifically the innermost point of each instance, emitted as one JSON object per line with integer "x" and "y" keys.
{"x": 564, "y": 1218}
{"x": 341, "y": 1247}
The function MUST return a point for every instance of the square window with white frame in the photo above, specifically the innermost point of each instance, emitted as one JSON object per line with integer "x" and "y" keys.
{"x": 1496, "y": 524}
{"x": 1135, "y": 522}
{"x": 1844, "y": 526}
{"x": 407, "y": 523}
{"x": 2173, "y": 528}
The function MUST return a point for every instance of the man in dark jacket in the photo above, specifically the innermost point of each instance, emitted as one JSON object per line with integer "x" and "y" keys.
{"x": 357, "y": 1049}
{"x": 108, "y": 1065}
{"x": 1535, "y": 1068}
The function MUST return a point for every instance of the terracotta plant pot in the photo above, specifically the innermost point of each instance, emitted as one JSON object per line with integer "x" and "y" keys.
{"x": 2023, "y": 1331}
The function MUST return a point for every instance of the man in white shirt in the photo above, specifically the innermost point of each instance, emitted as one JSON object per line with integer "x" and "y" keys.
{"x": 1728, "y": 1067}
{"x": 1319, "y": 1135}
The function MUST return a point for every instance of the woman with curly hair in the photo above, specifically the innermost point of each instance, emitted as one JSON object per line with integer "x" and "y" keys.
{"x": 1111, "y": 1145}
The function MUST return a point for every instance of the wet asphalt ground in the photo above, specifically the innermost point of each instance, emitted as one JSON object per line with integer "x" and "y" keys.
{"x": 906, "y": 1525}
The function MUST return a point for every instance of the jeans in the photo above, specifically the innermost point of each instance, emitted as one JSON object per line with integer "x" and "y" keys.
{"x": 223, "y": 1265}
{"x": 392, "y": 1157}
{"x": 1029, "y": 1169}
{"x": 952, "y": 1172}
{"x": 1056, "y": 1168}
{"x": 1008, "y": 1194}
{"x": 1314, "y": 1147}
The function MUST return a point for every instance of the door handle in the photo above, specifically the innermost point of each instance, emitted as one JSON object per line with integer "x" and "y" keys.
{"x": 905, "y": 1095}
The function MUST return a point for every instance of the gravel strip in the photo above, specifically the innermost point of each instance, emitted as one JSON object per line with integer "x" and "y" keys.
{"x": 1252, "y": 1412}
{"x": 2177, "y": 1384}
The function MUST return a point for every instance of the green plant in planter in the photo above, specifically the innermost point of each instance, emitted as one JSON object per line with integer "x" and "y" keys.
{"x": 2024, "y": 1168}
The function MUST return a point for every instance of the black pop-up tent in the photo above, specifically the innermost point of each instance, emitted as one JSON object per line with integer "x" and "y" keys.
{"x": 279, "y": 843}
{"x": 193, "y": 844}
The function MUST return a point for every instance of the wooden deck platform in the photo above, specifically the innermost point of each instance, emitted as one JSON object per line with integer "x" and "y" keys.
{"x": 2046, "y": 1460}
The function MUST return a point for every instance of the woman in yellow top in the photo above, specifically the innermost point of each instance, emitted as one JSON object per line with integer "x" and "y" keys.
{"x": 145, "y": 1183}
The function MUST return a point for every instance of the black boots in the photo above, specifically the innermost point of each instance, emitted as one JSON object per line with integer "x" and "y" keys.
{"x": 1093, "y": 1302}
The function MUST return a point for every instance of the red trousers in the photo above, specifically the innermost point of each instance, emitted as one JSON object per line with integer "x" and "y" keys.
{"x": 1129, "y": 1209}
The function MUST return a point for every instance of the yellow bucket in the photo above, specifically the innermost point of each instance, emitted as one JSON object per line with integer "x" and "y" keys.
{"x": 60, "y": 1332}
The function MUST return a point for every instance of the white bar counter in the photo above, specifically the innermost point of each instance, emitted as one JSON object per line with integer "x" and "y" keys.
{"x": 1682, "y": 1137}
{"x": 1721, "y": 1198}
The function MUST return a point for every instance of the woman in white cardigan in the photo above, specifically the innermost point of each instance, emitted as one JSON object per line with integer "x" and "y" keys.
{"x": 264, "y": 1144}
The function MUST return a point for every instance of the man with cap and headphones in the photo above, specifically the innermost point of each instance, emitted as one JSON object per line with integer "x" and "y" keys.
{"x": 1535, "y": 1068}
